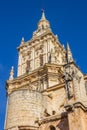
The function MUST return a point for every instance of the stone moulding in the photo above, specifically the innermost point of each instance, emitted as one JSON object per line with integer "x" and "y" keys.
{"x": 55, "y": 87}
{"x": 27, "y": 128}
{"x": 71, "y": 107}
{"x": 23, "y": 81}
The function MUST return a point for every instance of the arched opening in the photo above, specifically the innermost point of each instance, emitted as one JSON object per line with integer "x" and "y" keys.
{"x": 52, "y": 128}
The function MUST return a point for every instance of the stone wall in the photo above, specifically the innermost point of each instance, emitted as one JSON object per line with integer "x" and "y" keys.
{"x": 54, "y": 101}
{"x": 77, "y": 119}
{"x": 24, "y": 107}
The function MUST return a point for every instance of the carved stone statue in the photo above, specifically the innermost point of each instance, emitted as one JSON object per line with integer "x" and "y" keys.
{"x": 68, "y": 78}
{"x": 70, "y": 89}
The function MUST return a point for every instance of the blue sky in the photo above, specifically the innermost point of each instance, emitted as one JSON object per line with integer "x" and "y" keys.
{"x": 18, "y": 18}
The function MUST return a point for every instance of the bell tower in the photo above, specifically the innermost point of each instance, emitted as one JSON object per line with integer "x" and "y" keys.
{"x": 44, "y": 47}
{"x": 47, "y": 85}
{"x": 39, "y": 60}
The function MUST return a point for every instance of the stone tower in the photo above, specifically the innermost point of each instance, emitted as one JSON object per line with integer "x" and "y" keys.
{"x": 50, "y": 91}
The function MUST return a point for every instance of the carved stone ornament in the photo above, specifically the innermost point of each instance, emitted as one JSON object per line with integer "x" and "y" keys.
{"x": 11, "y": 74}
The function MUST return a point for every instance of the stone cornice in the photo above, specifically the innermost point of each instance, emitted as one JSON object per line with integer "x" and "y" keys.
{"x": 23, "y": 127}
{"x": 35, "y": 39}
{"x": 27, "y": 127}
{"x": 55, "y": 87}
{"x": 34, "y": 76}
{"x": 71, "y": 107}
{"x": 33, "y": 73}
{"x": 38, "y": 38}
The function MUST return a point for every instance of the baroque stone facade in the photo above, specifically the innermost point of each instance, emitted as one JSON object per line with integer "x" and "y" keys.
{"x": 50, "y": 91}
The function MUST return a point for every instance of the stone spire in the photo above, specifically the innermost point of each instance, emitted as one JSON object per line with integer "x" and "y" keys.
{"x": 22, "y": 41}
{"x": 43, "y": 15}
{"x": 11, "y": 74}
{"x": 68, "y": 54}
{"x": 43, "y": 23}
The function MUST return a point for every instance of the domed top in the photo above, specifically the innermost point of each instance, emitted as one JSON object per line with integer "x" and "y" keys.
{"x": 43, "y": 23}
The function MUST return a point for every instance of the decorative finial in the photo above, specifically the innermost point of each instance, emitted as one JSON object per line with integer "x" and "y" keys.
{"x": 56, "y": 37}
{"x": 11, "y": 74}
{"x": 63, "y": 46}
{"x": 43, "y": 14}
{"x": 42, "y": 10}
{"x": 43, "y": 22}
{"x": 69, "y": 54}
{"x": 22, "y": 41}
{"x": 68, "y": 47}
{"x": 22, "y": 38}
